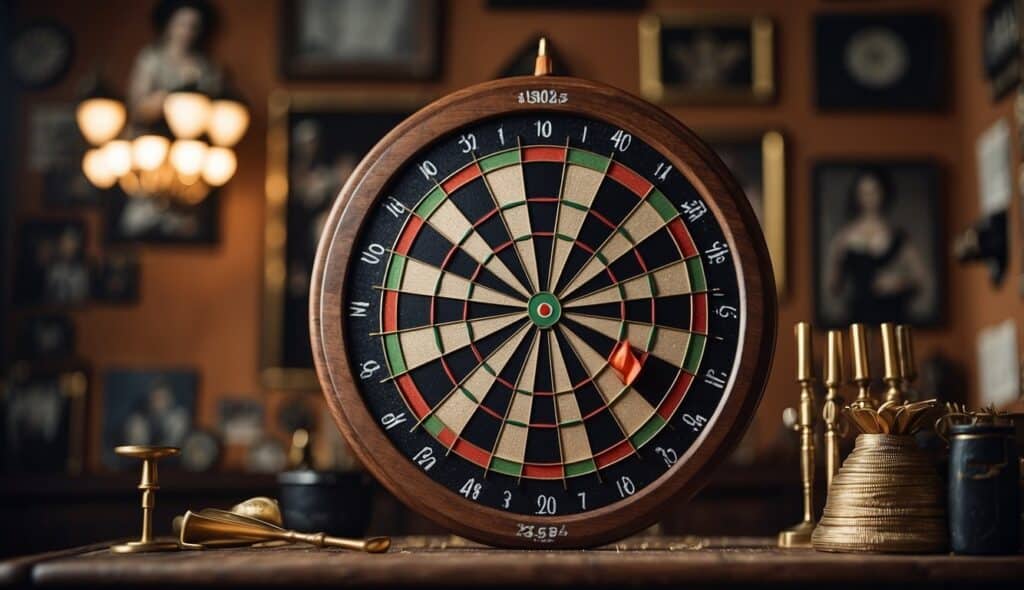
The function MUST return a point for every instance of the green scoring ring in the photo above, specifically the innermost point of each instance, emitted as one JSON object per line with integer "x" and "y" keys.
{"x": 544, "y": 309}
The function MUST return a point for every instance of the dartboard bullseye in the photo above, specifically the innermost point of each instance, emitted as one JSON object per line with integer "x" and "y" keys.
{"x": 542, "y": 309}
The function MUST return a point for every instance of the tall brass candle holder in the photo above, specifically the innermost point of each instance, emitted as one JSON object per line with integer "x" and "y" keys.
{"x": 833, "y": 403}
{"x": 861, "y": 370}
{"x": 887, "y": 496}
{"x": 799, "y": 535}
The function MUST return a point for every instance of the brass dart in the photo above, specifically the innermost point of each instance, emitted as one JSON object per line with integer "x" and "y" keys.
{"x": 212, "y": 527}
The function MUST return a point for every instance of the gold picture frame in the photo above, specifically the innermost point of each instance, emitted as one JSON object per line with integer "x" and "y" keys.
{"x": 277, "y": 370}
{"x": 761, "y": 86}
{"x": 771, "y": 174}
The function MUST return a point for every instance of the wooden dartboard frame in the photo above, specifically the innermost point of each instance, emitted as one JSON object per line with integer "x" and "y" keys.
{"x": 725, "y": 200}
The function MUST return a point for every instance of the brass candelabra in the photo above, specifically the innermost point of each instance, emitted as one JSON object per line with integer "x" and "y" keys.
{"x": 799, "y": 535}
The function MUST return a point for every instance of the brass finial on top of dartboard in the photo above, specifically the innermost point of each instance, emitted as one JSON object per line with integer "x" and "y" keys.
{"x": 799, "y": 535}
{"x": 833, "y": 402}
{"x": 149, "y": 485}
{"x": 861, "y": 372}
{"x": 542, "y": 66}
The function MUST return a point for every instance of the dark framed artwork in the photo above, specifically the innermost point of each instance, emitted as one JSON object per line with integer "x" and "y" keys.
{"x": 240, "y": 420}
{"x": 48, "y": 337}
{"x": 146, "y": 407}
{"x": 342, "y": 39}
{"x": 565, "y": 4}
{"x": 44, "y": 421}
{"x": 51, "y": 269}
{"x": 892, "y": 61}
{"x": 877, "y": 239}
{"x": 40, "y": 54}
{"x": 1001, "y": 46}
{"x": 116, "y": 278}
{"x": 758, "y": 161}
{"x": 314, "y": 143}
{"x": 132, "y": 220}
{"x": 701, "y": 59}
{"x": 55, "y": 150}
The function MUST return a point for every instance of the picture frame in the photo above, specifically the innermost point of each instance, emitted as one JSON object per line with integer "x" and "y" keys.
{"x": 44, "y": 420}
{"x": 45, "y": 338}
{"x": 689, "y": 58}
{"x": 296, "y": 209}
{"x": 1000, "y": 46}
{"x": 877, "y": 239}
{"x": 52, "y": 269}
{"x": 146, "y": 407}
{"x": 880, "y": 61}
{"x": 361, "y": 39}
{"x": 155, "y": 221}
{"x": 115, "y": 278}
{"x": 758, "y": 161}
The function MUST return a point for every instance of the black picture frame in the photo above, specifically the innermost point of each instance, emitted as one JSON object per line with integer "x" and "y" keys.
{"x": 314, "y": 46}
{"x": 325, "y": 134}
{"x": 1000, "y": 46}
{"x": 52, "y": 269}
{"x": 129, "y": 220}
{"x": 43, "y": 420}
{"x": 45, "y": 338}
{"x": 903, "y": 282}
{"x": 880, "y": 61}
{"x": 115, "y": 278}
{"x": 146, "y": 407}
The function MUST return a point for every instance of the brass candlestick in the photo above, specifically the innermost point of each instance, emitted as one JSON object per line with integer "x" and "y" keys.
{"x": 799, "y": 535}
{"x": 893, "y": 376}
{"x": 833, "y": 403}
{"x": 148, "y": 485}
{"x": 861, "y": 371}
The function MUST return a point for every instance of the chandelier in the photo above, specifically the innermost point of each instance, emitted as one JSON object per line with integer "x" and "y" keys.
{"x": 180, "y": 160}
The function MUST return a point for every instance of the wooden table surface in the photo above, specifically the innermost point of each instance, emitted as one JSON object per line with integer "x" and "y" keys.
{"x": 687, "y": 562}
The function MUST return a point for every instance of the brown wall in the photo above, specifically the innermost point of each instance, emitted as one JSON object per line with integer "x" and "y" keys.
{"x": 200, "y": 307}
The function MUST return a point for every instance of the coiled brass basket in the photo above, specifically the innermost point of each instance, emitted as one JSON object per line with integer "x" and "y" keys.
{"x": 887, "y": 497}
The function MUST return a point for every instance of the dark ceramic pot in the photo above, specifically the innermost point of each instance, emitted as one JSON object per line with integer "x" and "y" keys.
{"x": 984, "y": 490}
{"x": 332, "y": 502}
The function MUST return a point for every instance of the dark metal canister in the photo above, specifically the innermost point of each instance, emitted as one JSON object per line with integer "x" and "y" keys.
{"x": 984, "y": 493}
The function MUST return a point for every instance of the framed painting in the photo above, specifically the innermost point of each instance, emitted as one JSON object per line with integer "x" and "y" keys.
{"x": 344, "y": 39}
{"x": 877, "y": 243}
{"x": 314, "y": 143}
{"x": 701, "y": 59}
{"x": 758, "y": 161}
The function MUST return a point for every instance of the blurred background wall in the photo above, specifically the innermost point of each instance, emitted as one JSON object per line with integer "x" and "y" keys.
{"x": 200, "y": 307}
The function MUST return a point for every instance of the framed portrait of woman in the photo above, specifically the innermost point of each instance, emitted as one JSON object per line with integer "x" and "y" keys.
{"x": 876, "y": 239}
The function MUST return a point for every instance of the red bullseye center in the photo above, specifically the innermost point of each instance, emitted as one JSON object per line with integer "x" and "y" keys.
{"x": 544, "y": 310}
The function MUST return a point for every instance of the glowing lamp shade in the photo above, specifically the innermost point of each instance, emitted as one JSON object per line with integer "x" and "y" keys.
{"x": 118, "y": 156}
{"x": 228, "y": 121}
{"x": 95, "y": 167}
{"x": 220, "y": 166}
{"x": 100, "y": 119}
{"x": 187, "y": 113}
{"x": 187, "y": 156}
{"x": 149, "y": 151}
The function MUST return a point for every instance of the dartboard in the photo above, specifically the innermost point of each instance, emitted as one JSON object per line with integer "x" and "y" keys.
{"x": 542, "y": 310}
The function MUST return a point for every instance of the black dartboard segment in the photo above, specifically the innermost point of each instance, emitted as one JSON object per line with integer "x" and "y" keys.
{"x": 541, "y": 313}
